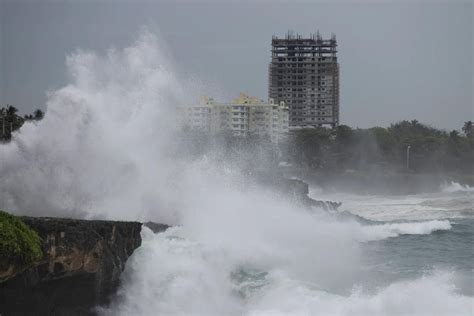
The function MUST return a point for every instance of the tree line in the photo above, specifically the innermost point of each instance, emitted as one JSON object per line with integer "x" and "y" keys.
{"x": 403, "y": 146}
{"x": 10, "y": 121}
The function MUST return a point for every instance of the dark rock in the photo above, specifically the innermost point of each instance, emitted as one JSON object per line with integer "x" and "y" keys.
{"x": 298, "y": 190}
{"x": 80, "y": 269}
{"x": 156, "y": 227}
{"x": 295, "y": 189}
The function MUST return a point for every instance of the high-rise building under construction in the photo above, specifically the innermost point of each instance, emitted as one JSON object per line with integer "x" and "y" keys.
{"x": 304, "y": 73}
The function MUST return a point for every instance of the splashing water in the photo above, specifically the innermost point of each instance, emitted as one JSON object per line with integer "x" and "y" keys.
{"x": 171, "y": 275}
{"x": 104, "y": 149}
{"x": 456, "y": 187}
{"x": 107, "y": 148}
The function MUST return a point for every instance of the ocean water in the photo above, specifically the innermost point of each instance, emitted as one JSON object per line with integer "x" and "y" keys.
{"x": 108, "y": 148}
{"x": 431, "y": 232}
{"x": 385, "y": 263}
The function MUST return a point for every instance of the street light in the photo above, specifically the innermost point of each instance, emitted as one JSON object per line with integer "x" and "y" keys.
{"x": 408, "y": 157}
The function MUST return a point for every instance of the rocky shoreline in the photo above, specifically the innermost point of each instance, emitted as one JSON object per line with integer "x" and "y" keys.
{"x": 80, "y": 268}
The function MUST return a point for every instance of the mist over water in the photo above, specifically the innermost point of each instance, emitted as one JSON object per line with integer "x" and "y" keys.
{"x": 109, "y": 147}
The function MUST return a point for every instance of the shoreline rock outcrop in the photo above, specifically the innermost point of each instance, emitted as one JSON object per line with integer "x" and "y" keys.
{"x": 299, "y": 190}
{"x": 295, "y": 189}
{"x": 80, "y": 268}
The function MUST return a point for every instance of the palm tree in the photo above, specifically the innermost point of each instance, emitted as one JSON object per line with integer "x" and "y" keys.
{"x": 11, "y": 110}
{"x": 467, "y": 128}
{"x": 38, "y": 115}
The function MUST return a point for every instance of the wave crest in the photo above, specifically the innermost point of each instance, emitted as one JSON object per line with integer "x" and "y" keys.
{"x": 378, "y": 232}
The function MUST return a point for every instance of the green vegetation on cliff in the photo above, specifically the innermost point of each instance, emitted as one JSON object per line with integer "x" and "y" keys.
{"x": 18, "y": 243}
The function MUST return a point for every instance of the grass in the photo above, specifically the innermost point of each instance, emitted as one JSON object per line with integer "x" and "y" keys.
{"x": 19, "y": 244}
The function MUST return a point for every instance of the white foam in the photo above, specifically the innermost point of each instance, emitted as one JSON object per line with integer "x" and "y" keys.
{"x": 430, "y": 295}
{"x": 377, "y": 232}
{"x": 170, "y": 275}
{"x": 420, "y": 207}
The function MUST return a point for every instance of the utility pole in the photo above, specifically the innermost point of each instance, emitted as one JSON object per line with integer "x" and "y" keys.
{"x": 408, "y": 157}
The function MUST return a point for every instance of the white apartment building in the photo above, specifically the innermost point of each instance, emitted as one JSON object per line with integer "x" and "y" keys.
{"x": 243, "y": 116}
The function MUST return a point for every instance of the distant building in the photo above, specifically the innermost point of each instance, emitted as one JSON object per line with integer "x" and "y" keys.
{"x": 304, "y": 73}
{"x": 242, "y": 117}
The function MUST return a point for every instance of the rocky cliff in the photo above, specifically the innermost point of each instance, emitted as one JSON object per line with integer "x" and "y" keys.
{"x": 80, "y": 267}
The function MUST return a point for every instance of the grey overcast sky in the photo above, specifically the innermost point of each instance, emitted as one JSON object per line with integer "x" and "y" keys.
{"x": 398, "y": 59}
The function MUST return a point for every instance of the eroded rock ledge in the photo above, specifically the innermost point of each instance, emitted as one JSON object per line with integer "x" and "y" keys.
{"x": 80, "y": 268}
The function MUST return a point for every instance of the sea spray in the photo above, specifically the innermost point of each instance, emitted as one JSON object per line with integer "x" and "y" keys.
{"x": 104, "y": 148}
